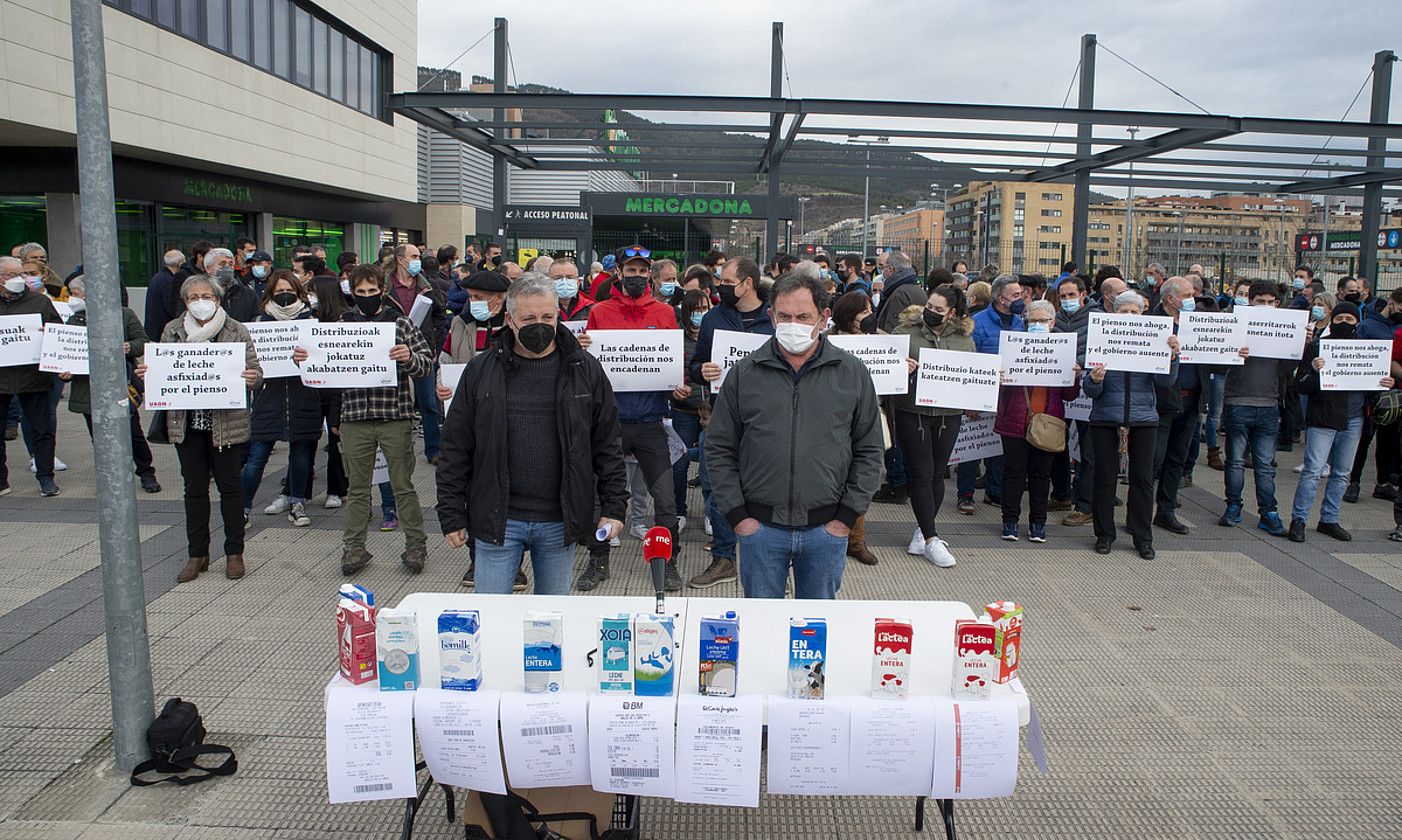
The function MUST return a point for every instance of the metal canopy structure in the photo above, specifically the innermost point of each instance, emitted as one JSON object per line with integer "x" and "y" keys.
{"x": 778, "y": 136}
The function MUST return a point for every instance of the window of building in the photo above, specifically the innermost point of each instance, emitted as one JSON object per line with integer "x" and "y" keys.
{"x": 1049, "y": 229}
{"x": 1019, "y": 214}
{"x": 1022, "y": 196}
{"x": 282, "y": 38}
{"x": 165, "y": 13}
{"x": 241, "y": 29}
{"x": 337, "y": 55}
{"x": 189, "y": 24}
{"x": 302, "y": 48}
{"x": 1051, "y": 213}
{"x": 262, "y": 35}
{"x": 288, "y": 233}
{"x": 216, "y": 24}
{"x": 319, "y": 58}
{"x": 1051, "y": 196}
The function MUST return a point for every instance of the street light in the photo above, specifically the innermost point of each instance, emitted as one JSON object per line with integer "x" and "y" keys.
{"x": 1129, "y": 205}
{"x": 866, "y": 188}
{"x": 802, "y": 200}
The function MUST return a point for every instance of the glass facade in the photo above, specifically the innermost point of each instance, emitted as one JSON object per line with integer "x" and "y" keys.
{"x": 288, "y": 233}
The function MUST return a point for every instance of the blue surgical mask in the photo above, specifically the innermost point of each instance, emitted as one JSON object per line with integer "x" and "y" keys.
{"x": 1298, "y": 283}
{"x": 1151, "y": 280}
{"x": 1039, "y": 328}
{"x": 415, "y": 266}
{"x": 1317, "y": 313}
{"x": 1241, "y": 301}
{"x": 1071, "y": 307}
{"x": 668, "y": 289}
{"x": 260, "y": 271}
{"x": 566, "y": 288}
{"x": 481, "y": 310}
{"x": 1187, "y": 305}
{"x": 696, "y": 318}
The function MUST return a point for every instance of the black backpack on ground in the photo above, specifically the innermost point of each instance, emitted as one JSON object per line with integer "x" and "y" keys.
{"x": 176, "y": 739}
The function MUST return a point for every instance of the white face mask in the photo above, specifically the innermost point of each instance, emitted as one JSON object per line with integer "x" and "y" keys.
{"x": 311, "y": 301}
{"x": 202, "y": 309}
{"x": 15, "y": 285}
{"x": 795, "y": 338}
{"x": 77, "y": 304}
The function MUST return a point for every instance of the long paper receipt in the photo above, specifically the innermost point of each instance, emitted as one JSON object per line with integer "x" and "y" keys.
{"x": 975, "y": 748}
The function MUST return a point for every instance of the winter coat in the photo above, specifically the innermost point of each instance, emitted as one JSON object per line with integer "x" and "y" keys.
{"x": 1078, "y": 323}
{"x": 692, "y": 404}
{"x": 133, "y": 333}
{"x": 1126, "y": 399}
{"x": 1014, "y": 412}
{"x": 645, "y": 313}
{"x": 901, "y": 291}
{"x": 27, "y": 379}
{"x": 229, "y": 426}
{"x": 951, "y": 335}
{"x": 988, "y": 325}
{"x": 1323, "y": 409}
{"x": 724, "y": 317}
{"x": 163, "y": 300}
{"x": 285, "y": 409}
{"x": 242, "y": 302}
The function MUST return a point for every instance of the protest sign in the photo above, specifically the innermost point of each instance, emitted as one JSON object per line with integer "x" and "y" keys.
{"x": 729, "y": 347}
{"x": 957, "y": 379}
{"x": 976, "y": 441}
{"x": 21, "y": 337}
{"x": 1137, "y": 343}
{"x": 576, "y": 328}
{"x": 1079, "y": 408}
{"x": 275, "y": 341}
{"x": 639, "y": 360}
{"x": 64, "y": 350}
{"x": 1037, "y": 358}
{"x": 64, "y": 310}
{"x": 884, "y": 356}
{"x": 1210, "y": 338}
{"x": 197, "y": 375}
{"x": 1354, "y": 365}
{"x": 379, "y": 474}
{"x": 1273, "y": 333}
{"x": 450, "y": 375}
{"x": 423, "y": 304}
{"x": 349, "y": 354}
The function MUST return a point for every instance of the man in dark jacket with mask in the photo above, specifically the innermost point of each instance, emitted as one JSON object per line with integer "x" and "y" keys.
{"x": 26, "y": 383}
{"x": 534, "y": 424}
{"x": 241, "y": 300}
{"x": 902, "y": 289}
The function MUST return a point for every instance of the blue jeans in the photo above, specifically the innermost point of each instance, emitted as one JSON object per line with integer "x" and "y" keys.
{"x": 722, "y": 535}
{"x": 817, "y": 557}
{"x": 427, "y": 400}
{"x": 967, "y": 472}
{"x": 896, "y": 475}
{"x": 1257, "y": 427}
{"x": 688, "y": 428}
{"x": 299, "y": 468}
{"x": 551, "y": 559}
{"x": 389, "y": 506}
{"x": 1332, "y": 447}
{"x": 1217, "y": 382}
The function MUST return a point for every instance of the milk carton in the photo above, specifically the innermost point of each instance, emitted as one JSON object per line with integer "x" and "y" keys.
{"x": 1007, "y": 617}
{"x": 616, "y": 653}
{"x": 355, "y": 634}
{"x": 890, "y": 663}
{"x": 808, "y": 653}
{"x": 356, "y": 592}
{"x": 653, "y": 649}
{"x": 543, "y": 637}
{"x": 975, "y": 665}
{"x": 397, "y": 643}
{"x": 460, "y": 650}
{"x": 720, "y": 654}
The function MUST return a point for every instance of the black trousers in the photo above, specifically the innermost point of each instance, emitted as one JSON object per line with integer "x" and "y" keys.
{"x": 199, "y": 461}
{"x": 140, "y": 449}
{"x": 336, "y": 481}
{"x": 926, "y": 441}
{"x": 40, "y": 418}
{"x": 647, "y": 442}
{"x": 1140, "y": 502}
{"x": 1025, "y": 468}
{"x": 1388, "y": 454}
{"x": 1172, "y": 444}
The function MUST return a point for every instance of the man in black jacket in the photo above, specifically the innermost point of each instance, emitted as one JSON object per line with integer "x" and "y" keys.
{"x": 530, "y": 483}
{"x": 163, "y": 302}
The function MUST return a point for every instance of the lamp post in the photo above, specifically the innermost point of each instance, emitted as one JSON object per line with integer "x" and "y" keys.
{"x": 1129, "y": 206}
{"x": 1280, "y": 239}
{"x": 1324, "y": 246}
{"x": 802, "y": 201}
{"x": 866, "y": 188}
{"x": 1178, "y": 244}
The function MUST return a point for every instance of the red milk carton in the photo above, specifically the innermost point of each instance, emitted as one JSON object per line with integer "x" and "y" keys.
{"x": 975, "y": 665}
{"x": 355, "y": 630}
{"x": 1007, "y": 617}
{"x": 890, "y": 663}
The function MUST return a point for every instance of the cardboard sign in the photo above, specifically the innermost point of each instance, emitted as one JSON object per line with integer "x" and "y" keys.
{"x": 1354, "y": 365}
{"x": 884, "y": 356}
{"x": 64, "y": 350}
{"x": 729, "y": 347}
{"x": 639, "y": 360}
{"x": 957, "y": 379}
{"x": 1273, "y": 333}
{"x": 1037, "y": 358}
{"x": 349, "y": 355}
{"x": 1210, "y": 338}
{"x": 976, "y": 441}
{"x": 1137, "y": 343}
{"x": 275, "y": 341}
{"x": 183, "y": 376}
{"x": 21, "y": 337}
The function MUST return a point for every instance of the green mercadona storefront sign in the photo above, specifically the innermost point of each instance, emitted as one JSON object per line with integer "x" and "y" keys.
{"x": 672, "y": 205}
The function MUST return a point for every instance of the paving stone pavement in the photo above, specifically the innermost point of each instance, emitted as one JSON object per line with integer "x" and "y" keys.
{"x": 1238, "y": 686}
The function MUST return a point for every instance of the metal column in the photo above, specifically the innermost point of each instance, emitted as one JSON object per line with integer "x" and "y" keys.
{"x": 1373, "y": 193}
{"x": 776, "y": 90}
{"x": 1081, "y": 194}
{"x": 123, "y": 595}
{"x": 499, "y": 117}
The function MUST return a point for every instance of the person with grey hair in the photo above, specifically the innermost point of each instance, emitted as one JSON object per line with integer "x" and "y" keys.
{"x": 1004, "y": 312}
{"x": 163, "y": 294}
{"x": 902, "y": 289}
{"x": 36, "y": 254}
{"x": 26, "y": 385}
{"x": 534, "y": 420}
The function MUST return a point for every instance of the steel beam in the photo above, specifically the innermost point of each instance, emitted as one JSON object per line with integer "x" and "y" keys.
{"x": 438, "y": 121}
{"x": 1359, "y": 179}
{"x": 1081, "y": 192}
{"x": 766, "y": 164}
{"x": 1166, "y": 142}
{"x": 1372, "y": 190}
{"x": 499, "y": 175}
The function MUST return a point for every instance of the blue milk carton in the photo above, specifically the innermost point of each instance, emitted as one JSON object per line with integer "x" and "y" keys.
{"x": 653, "y": 650}
{"x": 808, "y": 653}
{"x": 460, "y": 650}
{"x": 616, "y": 653}
{"x": 543, "y": 636}
{"x": 397, "y": 645}
{"x": 719, "y": 654}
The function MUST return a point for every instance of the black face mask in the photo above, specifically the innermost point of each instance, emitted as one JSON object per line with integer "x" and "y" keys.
{"x": 536, "y": 337}
{"x": 868, "y": 324}
{"x": 1395, "y": 317}
{"x": 495, "y": 260}
{"x": 368, "y": 304}
{"x": 728, "y": 295}
{"x": 285, "y": 298}
{"x": 1342, "y": 330}
{"x": 932, "y": 319}
{"x": 1353, "y": 297}
{"x": 635, "y": 287}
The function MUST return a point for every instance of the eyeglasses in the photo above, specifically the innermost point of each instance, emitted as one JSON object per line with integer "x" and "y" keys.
{"x": 637, "y": 251}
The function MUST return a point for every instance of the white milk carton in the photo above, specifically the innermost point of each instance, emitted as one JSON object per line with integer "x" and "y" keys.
{"x": 808, "y": 654}
{"x": 460, "y": 650}
{"x": 616, "y": 653}
{"x": 975, "y": 663}
{"x": 653, "y": 649}
{"x": 397, "y": 649}
{"x": 544, "y": 638}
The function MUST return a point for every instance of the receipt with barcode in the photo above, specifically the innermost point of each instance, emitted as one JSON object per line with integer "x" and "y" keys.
{"x": 631, "y": 742}
{"x": 545, "y": 739}
{"x": 458, "y": 736}
{"x": 718, "y": 748}
{"x": 369, "y": 742}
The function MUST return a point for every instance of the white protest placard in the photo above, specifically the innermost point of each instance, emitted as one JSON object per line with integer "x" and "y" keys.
{"x": 423, "y": 304}
{"x": 64, "y": 350}
{"x": 631, "y": 744}
{"x": 729, "y": 347}
{"x": 975, "y": 748}
{"x": 957, "y": 379}
{"x": 1354, "y": 365}
{"x": 544, "y": 738}
{"x": 1037, "y": 358}
{"x": 576, "y": 328}
{"x": 1079, "y": 408}
{"x": 458, "y": 735}
{"x": 380, "y": 473}
{"x": 807, "y": 749}
{"x": 639, "y": 360}
{"x": 21, "y": 337}
{"x": 976, "y": 440}
{"x": 718, "y": 749}
{"x": 884, "y": 356}
{"x": 892, "y": 746}
{"x": 1273, "y": 333}
{"x": 1210, "y": 338}
{"x": 369, "y": 743}
{"x": 182, "y": 376}
{"x": 64, "y": 310}
{"x": 1136, "y": 343}
{"x": 275, "y": 341}
{"x": 450, "y": 375}
{"x": 348, "y": 354}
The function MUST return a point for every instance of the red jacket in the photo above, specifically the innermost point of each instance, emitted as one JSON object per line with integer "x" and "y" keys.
{"x": 621, "y": 312}
{"x": 579, "y": 311}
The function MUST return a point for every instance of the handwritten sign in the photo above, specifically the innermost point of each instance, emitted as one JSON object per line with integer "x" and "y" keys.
{"x": 1129, "y": 342}
{"x": 193, "y": 376}
{"x": 1037, "y": 358}
{"x": 1210, "y": 338}
{"x": 1273, "y": 333}
{"x": 1357, "y": 365}
{"x": 957, "y": 379}
{"x": 21, "y": 337}
{"x": 884, "y": 356}
{"x": 729, "y": 347}
{"x": 64, "y": 350}
{"x": 348, "y": 355}
{"x": 639, "y": 360}
{"x": 275, "y": 341}
{"x": 976, "y": 440}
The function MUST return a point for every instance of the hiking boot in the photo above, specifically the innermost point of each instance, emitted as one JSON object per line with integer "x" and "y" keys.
{"x": 1335, "y": 530}
{"x": 857, "y": 550}
{"x": 192, "y": 569}
{"x": 520, "y": 584}
{"x": 233, "y": 567}
{"x": 1231, "y": 516}
{"x": 354, "y": 559}
{"x": 149, "y": 484}
{"x": 1077, "y": 518}
{"x": 671, "y": 581}
{"x": 1214, "y": 459}
{"x": 721, "y": 570}
{"x": 413, "y": 558}
{"x": 891, "y": 495}
{"x": 297, "y": 515}
{"x": 1271, "y": 524}
{"x": 1297, "y": 531}
{"x": 1351, "y": 493}
{"x": 1060, "y": 504}
{"x": 596, "y": 571}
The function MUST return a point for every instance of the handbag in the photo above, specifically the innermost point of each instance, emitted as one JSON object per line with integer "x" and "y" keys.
{"x": 1044, "y": 431}
{"x": 159, "y": 430}
{"x": 175, "y": 739}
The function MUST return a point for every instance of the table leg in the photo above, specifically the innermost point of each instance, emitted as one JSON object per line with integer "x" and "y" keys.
{"x": 947, "y": 811}
{"x": 919, "y": 813}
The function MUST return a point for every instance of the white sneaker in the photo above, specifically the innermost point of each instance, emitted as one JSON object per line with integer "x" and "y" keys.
{"x": 298, "y": 516}
{"x": 681, "y": 524}
{"x": 279, "y": 505}
{"x": 917, "y": 543}
{"x": 707, "y": 523}
{"x": 638, "y": 532}
{"x": 332, "y": 502}
{"x": 59, "y": 466}
{"x": 937, "y": 552}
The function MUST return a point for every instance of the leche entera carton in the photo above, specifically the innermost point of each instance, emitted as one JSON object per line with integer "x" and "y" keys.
{"x": 355, "y": 636}
{"x": 890, "y": 662}
{"x": 616, "y": 653}
{"x": 654, "y": 647}
{"x": 397, "y": 646}
{"x": 808, "y": 654}
{"x": 460, "y": 650}
{"x": 975, "y": 665}
{"x": 543, "y": 638}
{"x": 720, "y": 654}
{"x": 1007, "y": 617}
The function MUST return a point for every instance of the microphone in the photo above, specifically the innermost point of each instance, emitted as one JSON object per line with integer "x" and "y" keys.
{"x": 657, "y": 550}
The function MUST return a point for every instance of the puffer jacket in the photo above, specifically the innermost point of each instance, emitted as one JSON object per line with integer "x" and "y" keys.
{"x": 27, "y": 379}
{"x": 1126, "y": 399}
{"x": 951, "y": 335}
{"x": 133, "y": 333}
{"x": 229, "y": 426}
{"x": 285, "y": 409}
{"x": 988, "y": 325}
